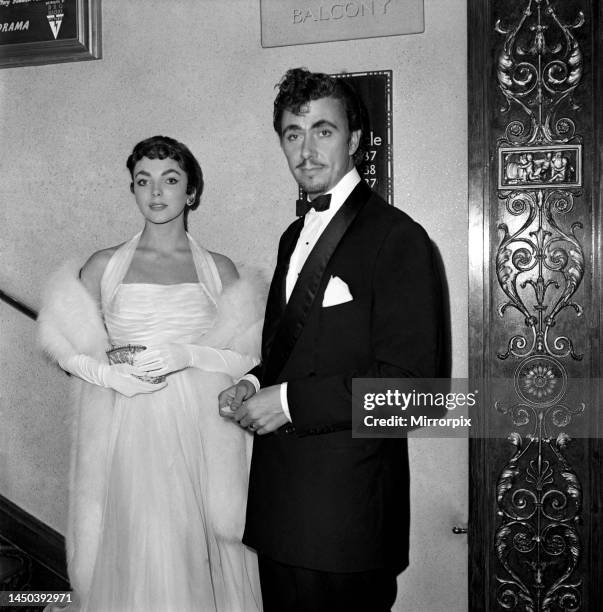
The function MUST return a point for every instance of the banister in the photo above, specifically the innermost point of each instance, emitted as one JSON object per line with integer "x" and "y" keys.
{"x": 18, "y": 305}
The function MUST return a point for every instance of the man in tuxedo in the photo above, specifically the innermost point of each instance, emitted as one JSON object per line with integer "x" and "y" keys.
{"x": 355, "y": 293}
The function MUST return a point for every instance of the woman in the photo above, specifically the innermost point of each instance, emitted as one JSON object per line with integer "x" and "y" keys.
{"x": 159, "y": 479}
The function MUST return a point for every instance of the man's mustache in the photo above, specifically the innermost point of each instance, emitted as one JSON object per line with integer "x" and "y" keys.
{"x": 309, "y": 165}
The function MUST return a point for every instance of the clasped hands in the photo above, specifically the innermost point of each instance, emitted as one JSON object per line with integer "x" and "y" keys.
{"x": 154, "y": 361}
{"x": 260, "y": 411}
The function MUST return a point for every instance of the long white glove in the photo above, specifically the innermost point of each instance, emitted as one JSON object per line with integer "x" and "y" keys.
{"x": 119, "y": 376}
{"x": 167, "y": 358}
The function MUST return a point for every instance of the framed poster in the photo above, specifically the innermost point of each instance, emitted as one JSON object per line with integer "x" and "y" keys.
{"x": 375, "y": 90}
{"x": 34, "y": 32}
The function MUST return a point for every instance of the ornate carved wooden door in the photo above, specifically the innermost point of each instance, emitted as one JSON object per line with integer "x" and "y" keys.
{"x": 535, "y": 125}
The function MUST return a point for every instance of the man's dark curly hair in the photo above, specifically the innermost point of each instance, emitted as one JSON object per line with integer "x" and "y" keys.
{"x": 300, "y": 86}
{"x": 162, "y": 147}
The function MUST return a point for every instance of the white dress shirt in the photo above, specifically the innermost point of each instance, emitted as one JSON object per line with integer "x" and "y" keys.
{"x": 314, "y": 225}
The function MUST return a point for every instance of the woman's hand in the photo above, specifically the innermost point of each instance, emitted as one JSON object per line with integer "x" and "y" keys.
{"x": 123, "y": 378}
{"x": 164, "y": 359}
{"x": 167, "y": 358}
{"x": 120, "y": 377}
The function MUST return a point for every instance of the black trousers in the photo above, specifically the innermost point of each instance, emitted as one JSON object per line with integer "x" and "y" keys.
{"x": 287, "y": 588}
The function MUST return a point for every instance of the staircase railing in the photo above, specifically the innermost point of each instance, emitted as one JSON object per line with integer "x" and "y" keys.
{"x": 18, "y": 305}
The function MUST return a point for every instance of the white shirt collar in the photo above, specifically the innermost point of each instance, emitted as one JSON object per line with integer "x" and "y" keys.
{"x": 339, "y": 194}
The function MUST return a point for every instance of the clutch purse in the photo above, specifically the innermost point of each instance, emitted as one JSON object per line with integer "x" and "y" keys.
{"x": 126, "y": 354}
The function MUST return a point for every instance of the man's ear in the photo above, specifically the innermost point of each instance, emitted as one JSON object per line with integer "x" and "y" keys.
{"x": 132, "y": 187}
{"x": 354, "y": 141}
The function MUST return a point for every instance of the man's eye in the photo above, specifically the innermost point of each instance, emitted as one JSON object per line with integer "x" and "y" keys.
{"x": 292, "y": 137}
{"x": 325, "y": 132}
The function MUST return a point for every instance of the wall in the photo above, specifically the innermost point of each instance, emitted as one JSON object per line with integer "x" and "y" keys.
{"x": 197, "y": 72}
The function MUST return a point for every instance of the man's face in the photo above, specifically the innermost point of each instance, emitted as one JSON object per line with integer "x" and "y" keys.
{"x": 318, "y": 144}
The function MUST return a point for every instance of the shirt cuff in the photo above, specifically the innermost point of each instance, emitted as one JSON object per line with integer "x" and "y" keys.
{"x": 284, "y": 402}
{"x": 252, "y": 379}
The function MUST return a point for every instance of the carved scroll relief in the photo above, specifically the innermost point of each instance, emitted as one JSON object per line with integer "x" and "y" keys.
{"x": 539, "y": 267}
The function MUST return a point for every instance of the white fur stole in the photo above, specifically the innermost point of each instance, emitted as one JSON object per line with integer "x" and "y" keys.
{"x": 240, "y": 317}
{"x": 70, "y": 323}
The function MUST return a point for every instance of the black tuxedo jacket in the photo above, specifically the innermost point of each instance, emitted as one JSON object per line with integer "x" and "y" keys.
{"x": 319, "y": 498}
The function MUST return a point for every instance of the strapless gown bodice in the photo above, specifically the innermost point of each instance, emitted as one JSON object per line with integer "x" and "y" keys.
{"x": 152, "y": 314}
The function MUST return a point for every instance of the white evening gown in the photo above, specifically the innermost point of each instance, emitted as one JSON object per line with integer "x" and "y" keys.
{"x": 177, "y": 472}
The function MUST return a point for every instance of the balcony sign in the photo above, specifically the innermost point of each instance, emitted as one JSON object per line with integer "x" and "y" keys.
{"x": 298, "y": 22}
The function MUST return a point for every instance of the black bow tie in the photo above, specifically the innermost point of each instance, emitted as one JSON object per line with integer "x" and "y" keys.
{"x": 322, "y": 202}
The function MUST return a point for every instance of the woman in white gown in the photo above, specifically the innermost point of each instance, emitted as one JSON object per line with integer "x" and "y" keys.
{"x": 159, "y": 479}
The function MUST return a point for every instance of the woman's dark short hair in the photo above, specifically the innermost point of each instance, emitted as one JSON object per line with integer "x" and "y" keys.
{"x": 300, "y": 86}
{"x": 162, "y": 147}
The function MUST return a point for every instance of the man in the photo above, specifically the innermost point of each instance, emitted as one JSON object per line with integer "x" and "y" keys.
{"x": 355, "y": 293}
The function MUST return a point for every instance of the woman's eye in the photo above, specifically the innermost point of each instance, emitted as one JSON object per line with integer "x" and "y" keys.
{"x": 141, "y": 182}
{"x": 171, "y": 180}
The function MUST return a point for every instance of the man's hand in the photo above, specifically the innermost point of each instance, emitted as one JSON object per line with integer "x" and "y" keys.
{"x": 231, "y": 399}
{"x": 262, "y": 412}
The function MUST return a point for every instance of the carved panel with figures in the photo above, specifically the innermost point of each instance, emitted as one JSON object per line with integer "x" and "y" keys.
{"x": 535, "y": 308}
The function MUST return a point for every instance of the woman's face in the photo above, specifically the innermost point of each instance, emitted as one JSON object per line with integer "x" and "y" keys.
{"x": 159, "y": 186}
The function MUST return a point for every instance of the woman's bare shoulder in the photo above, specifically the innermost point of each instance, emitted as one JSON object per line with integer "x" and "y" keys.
{"x": 92, "y": 271}
{"x": 226, "y": 269}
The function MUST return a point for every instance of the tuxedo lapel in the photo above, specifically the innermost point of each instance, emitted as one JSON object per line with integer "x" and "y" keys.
{"x": 296, "y": 312}
{"x": 275, "y": 305}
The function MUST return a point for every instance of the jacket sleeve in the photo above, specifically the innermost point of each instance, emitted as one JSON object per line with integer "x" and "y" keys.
{"x": 406, "y": 332}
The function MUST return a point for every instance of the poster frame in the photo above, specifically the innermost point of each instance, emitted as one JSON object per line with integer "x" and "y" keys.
{"x": 85, "y": 46}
